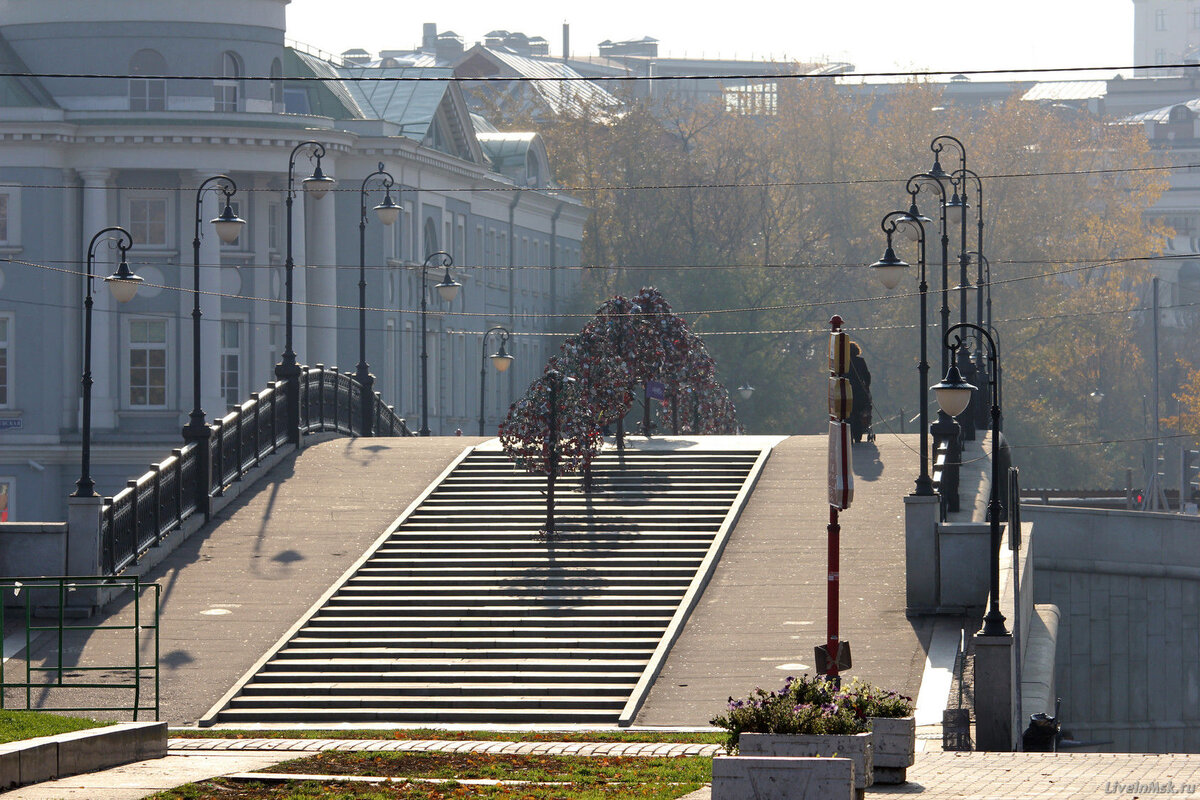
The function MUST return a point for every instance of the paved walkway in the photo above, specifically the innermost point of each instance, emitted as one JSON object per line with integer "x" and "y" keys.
{"x": 935, "y": 776}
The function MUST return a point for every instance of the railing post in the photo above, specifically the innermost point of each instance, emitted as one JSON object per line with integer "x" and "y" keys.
{"x": 237, "y": 446}
{"x": 273, "y": 410}
{"x": 158, "y": 528}
{"x": 178, "y": 453}
{"x": 321, "y": 395}
{"x": 257, "y": 423}
{"x": 201, "y": 435}
{"x": 219, "y": 461}
{"x": 134, "y": 533}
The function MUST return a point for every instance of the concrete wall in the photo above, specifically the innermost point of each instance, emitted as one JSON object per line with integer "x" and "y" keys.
{"x": 1128, "y": 657}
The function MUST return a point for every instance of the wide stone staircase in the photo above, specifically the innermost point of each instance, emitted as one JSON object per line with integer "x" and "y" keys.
{"x": 466, "y": 612}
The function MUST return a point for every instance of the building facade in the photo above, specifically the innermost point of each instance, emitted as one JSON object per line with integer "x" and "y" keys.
{"x": 183, "y": 98}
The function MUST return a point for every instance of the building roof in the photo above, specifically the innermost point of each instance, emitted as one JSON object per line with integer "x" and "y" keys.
{"x": 1066, "y": 90}
{"x": 571, "y": 96}
{"x": 1161, "y": 114}
{"x": 20, "y": 92}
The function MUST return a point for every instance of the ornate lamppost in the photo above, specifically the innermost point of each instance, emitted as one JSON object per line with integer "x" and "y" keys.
{"x": 388, "y": 212}
{"x": 228, "y": 227}
{"x": 953, "y": 395}
{"x": 890, "y": 269}
{"x": 501, "y": 360}
{"x": 447, "y": 290}
{"x": 287, "y": 370}
{"x": 124, "y": 285}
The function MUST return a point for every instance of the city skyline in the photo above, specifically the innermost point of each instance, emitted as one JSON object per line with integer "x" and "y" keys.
{"x": 1019, "y": 35}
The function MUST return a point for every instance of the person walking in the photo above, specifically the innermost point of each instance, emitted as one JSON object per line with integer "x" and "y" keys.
{"x": 860, "y": 387}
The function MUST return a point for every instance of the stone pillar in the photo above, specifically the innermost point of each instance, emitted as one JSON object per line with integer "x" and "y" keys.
{"x": 82, "y": 557}
{"x": 96, "y": 217}
{"x": 299, "y": 279}
{"x": 260, "y": 366}
{"x": 994, "y": 693}
{"x": 322, "y": 280}
{"x": 921, "y": 554}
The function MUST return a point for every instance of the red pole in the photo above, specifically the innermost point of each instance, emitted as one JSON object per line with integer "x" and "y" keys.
{"x": 834, "y": 529}
{"x": 831, "y": 646}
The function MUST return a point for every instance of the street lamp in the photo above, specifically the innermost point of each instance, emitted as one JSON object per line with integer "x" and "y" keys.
{"x": 315, "y": 186}
{"x": 447, "y": 290}
{"x": 124, "y": 285}
{"x": 388, "y": 212}
{"x": 228, "y": 227}
{"x": 953, "y": 395}
{"x": 890, "y": 269}
{"x": 501, "y": 360}
{"x": 745, "y": 391}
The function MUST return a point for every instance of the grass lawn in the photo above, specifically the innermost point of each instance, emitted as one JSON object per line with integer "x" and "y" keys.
{"x": 684, "y": 737}
{"x": 551, "y": 777}
{"x": 16, "y": 726}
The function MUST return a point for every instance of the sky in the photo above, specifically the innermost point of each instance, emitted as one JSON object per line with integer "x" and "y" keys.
{"x": 874, "y": 35}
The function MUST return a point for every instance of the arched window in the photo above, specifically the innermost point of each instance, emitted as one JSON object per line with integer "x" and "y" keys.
{"x": 276, "y": 86}
{"x": 1180, "y": 114}
{"x": 147, "y": 93}
{"x": 227, "y": 89}
{"x": 431, "y": 238}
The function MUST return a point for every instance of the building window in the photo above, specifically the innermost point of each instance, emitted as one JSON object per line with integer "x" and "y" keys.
{"x": 148, "y": 220}
{"x": 1160, "y": 19}
{"x": 147, "y": 93}
{"x": 431, "y": 238}
{"x": 7, "y": 511}
{"x": 753, "y": 99}
{"x": 6, "y": 349}
{"x": 226, "y": 91}
{"x": 148, "y": 363}
{"x": 231, "y": 362}
{"x": 1160, "y": 56}
{"x": 276, "y": 86}
{"x": 274, "y": 228}
{"x": 10, "y": 216}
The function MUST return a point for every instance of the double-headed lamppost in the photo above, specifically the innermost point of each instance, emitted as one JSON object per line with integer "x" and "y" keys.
{"x": 388, "y": 212}
{"x": 228, "y": 227}
{"x": 123, "y": 284}
{"x": 501, "y": 360}
{"x": 890, "y": 269}
{"x": 447, "y": 290}
{"x": 287, "y": 370}
{"x": 953, "y": 395}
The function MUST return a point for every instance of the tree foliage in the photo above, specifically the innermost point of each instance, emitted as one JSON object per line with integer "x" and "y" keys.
{"x": 759, "y": 228}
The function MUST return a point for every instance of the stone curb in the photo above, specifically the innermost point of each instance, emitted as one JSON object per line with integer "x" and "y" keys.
{"x": 638, "y": 749}
{"x": 49, "y": 757}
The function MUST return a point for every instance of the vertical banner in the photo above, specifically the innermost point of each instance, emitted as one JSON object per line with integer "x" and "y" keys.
{"x": 841, "y": 468}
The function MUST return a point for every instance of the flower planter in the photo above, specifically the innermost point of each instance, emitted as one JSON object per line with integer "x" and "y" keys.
{"x": 768, "y": 778}
{"x": 856, "y": 747}
{"x": 893, "y": 747}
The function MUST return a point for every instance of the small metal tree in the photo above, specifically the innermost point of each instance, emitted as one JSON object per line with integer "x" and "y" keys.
{"x": 551, "y": 431}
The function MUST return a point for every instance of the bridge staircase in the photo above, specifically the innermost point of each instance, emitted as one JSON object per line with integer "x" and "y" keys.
{"x": 465, "y": 612}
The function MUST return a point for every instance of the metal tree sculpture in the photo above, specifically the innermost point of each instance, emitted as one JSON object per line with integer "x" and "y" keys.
{"x": 551, "y": 431}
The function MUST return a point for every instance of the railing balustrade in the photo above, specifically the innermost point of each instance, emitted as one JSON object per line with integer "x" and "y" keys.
{"x": 158, "y": 502}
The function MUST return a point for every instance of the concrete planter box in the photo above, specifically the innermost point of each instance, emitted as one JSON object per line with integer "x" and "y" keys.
{"x": 893, "y": 747}
{"x": 856, "y": 747}
{"x": 766, "y": 778}
{"x": 50, "y": 757}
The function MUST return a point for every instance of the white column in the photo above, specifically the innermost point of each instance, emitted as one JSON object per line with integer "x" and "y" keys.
{"x": 105, "y": 351}
{"x": 299, "y": 279}
{"x": 210, "y": 302}
{"x": 260, "y": 368}
{"x": 322, "y": 281}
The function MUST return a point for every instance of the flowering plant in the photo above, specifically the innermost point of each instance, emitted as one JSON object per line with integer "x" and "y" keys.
{"x": 809, "y": 706}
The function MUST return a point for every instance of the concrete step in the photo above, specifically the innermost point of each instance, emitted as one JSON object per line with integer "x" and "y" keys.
{"x": 377, "y": 642}
{"x": 501, "y": 650}
{"x": 457, "y": 689}
{"x": 397, "y": 680}
{"x": 393, "y": 702}
{"x": 478, "y": 662}
{"x": 334, "y": 629}
{"x": 532, "y": 716}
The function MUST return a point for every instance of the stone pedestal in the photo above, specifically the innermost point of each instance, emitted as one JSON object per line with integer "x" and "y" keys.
{"x": 993, "y": 693}
{"x": 922, "y": 575}
{"x": 765, "y": 778}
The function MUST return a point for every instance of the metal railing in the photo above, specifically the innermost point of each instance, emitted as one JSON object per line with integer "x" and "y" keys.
{"x": 47, "y": 671}
{"x": 157, "y": 502}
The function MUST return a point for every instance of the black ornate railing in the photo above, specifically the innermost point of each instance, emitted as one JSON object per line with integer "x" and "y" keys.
{"x": 157, "y": 502}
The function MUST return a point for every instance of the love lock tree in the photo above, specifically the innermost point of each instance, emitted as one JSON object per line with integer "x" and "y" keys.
{"x": 551, "y": 431}
{"x": 661, "y": 344}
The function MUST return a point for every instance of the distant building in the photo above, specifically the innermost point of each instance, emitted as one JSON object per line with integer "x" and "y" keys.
{"x": 197, "y": 98}
{"x": 1165, "y": 32}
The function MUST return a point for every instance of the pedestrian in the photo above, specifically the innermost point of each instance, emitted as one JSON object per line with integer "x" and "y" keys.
{"x": 860, "y": 388}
